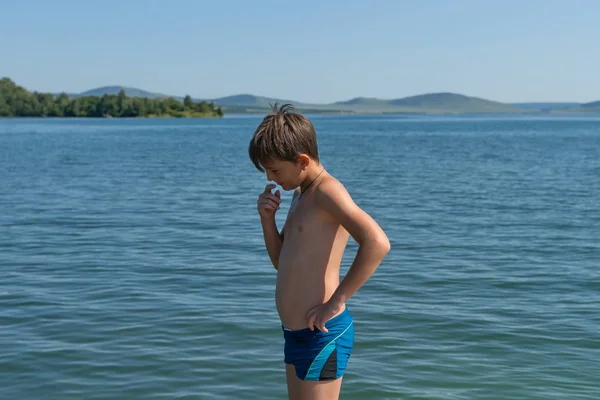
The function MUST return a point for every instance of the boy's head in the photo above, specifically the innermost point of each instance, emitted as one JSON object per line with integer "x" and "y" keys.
{"x": 284, "y": 145}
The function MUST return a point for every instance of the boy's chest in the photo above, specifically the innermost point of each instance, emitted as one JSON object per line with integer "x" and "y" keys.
{"x": 304, "y": 219}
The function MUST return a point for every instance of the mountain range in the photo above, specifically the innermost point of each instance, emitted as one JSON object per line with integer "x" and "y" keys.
{"x": 429, "y": 103}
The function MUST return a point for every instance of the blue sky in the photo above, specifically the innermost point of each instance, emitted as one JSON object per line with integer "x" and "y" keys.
{"x": 310, "y": 51}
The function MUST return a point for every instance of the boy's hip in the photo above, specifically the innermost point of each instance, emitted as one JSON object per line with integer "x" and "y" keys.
{"x": 335, "y": 324}
{"x": 313, "y": 353}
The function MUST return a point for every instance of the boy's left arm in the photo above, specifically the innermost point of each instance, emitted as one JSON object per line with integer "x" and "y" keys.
{"x": 333, "y": 198}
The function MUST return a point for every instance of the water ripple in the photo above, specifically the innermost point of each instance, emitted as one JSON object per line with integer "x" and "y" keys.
{"x": 133, "y": 263}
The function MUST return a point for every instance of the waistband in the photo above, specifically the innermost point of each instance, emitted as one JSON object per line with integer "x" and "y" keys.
{"x": 342, "y": 320}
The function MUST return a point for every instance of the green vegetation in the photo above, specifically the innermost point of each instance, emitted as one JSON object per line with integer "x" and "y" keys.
{"x": 15, "y": 101}
{"x": 122, "y": 101}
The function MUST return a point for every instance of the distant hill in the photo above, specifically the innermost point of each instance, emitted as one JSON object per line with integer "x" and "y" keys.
{"x": 362, "y": 101}
{"x": 429, "y": 103}
{"x": 249, "y": 100}
{"x": 452, "y": 102}
{"x": 593, "y": 104}
{"x": 114, "y": 90}
{"x": 433, "y": 103}
{"x": 592, "y": 107}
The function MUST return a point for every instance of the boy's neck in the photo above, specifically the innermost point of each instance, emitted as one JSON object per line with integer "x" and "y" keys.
{"x": 312, "y": 176}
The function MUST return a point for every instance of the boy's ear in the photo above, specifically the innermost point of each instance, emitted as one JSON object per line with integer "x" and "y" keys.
{"x": 303, "y": 160}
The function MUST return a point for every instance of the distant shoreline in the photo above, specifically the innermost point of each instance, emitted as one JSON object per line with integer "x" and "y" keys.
{"x": 424, "y": 114}
{"x": 15, "y": 101}
{"x": 108, "y": 118}
{"x": 119, "y": 102}
{"x": 406, "y": 116}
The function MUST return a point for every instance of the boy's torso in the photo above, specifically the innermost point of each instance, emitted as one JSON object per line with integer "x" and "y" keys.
{"x": 309, "y": 261}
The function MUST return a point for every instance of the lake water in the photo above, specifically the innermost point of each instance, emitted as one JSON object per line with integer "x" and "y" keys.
{"x": 133, "y": 265}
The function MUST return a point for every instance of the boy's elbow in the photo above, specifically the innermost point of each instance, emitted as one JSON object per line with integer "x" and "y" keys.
{"x": 380, "y": 244}
{"x": 384, "y": 245}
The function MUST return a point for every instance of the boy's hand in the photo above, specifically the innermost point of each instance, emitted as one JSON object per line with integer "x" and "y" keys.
{"x": 319, "y": 315}
{"x": 268, "y": 203}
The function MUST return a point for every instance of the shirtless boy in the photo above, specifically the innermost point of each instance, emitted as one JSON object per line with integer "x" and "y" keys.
{"x": 311, "y": 301}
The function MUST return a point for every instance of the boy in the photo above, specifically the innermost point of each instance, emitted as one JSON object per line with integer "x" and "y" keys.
{"x": 317, "y": 326}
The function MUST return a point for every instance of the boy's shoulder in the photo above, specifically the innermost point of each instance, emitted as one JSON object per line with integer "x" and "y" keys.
{"x": 332, "y": 196}
{"x": 330, "y": 186}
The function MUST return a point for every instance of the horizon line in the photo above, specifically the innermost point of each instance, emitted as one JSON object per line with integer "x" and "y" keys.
{"x": 317, "y": 102}
{"x": 332, "y": 102}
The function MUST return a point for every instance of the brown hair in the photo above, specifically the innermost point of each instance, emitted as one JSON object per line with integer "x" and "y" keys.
{"x": 283, "y": 135}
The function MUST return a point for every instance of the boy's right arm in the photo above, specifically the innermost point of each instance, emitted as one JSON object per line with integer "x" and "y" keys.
{"x": 268, "y": 204}
{"x": 273, "y": 240}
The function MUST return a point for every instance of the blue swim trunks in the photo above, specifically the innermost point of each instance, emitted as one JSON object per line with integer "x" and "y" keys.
{"x": 318, "y": 355}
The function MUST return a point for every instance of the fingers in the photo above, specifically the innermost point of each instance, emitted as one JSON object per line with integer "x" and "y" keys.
{"x": 321, "y": 324}
{"x": 316, "y": 321}
{"x": 271, "y": 197}
{"x": 266, "y": 198}
{"x": 310, "y": 320}
{"x": 269, "y": 203}
{"x": 319, "y": 321}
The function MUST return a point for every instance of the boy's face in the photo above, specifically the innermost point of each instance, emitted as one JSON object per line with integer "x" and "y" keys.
{"x": 286, "y": 174}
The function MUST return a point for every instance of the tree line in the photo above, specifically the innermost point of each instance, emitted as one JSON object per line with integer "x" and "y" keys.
{"x": 16, "y": 101}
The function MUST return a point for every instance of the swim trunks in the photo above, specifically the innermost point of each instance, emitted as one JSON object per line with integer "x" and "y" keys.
{"x": 318, "y": 355}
